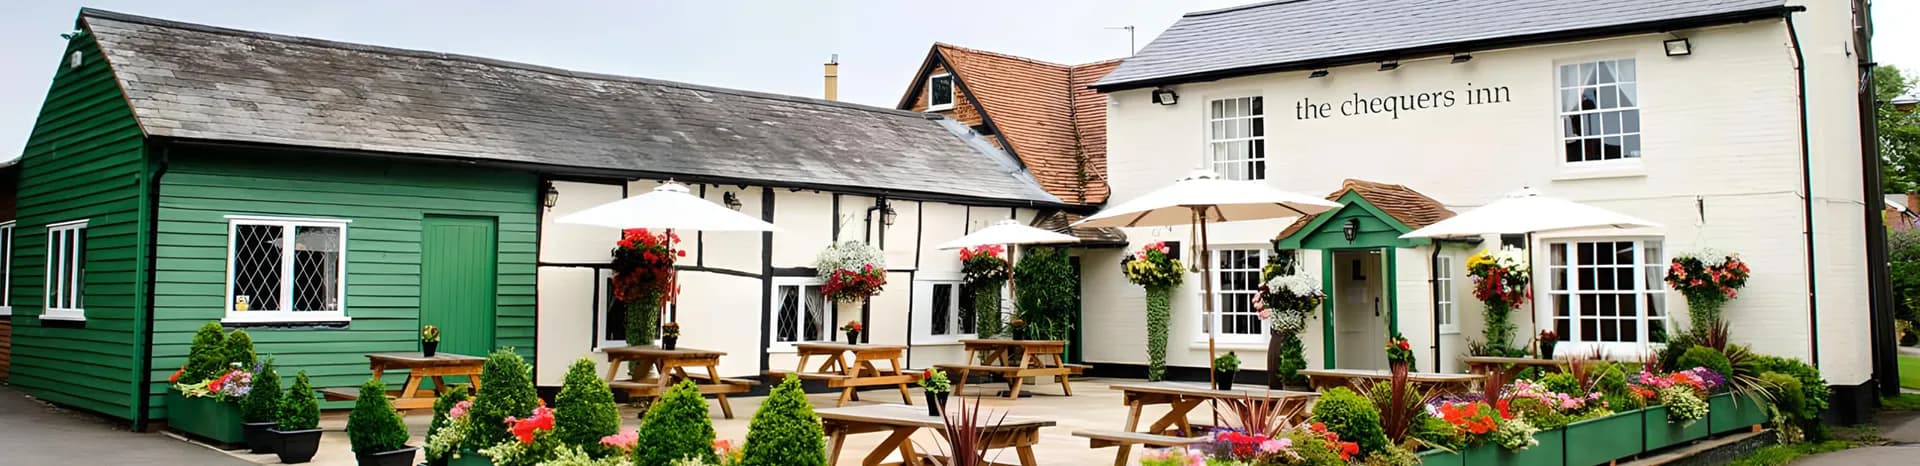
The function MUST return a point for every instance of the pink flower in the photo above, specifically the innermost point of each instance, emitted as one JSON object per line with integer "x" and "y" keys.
{"x": 1264, "y": 313}
{"x": 459, "y": 410}
{"x": 1276, "y": 445}
{"x": 624, "y": 440}
{"x": 1196, "y": 458}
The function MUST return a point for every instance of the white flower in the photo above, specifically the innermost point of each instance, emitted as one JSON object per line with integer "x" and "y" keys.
{"x": 1298, "y": 285}
{"x": 1711, "y": 257}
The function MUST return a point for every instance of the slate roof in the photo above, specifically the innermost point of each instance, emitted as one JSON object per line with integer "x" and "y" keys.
{"x": 1402, "y": 203}
{"x": 1300, "y": 34}
{"x": 199, "y": 82}
{"x": 1044, "y": 110}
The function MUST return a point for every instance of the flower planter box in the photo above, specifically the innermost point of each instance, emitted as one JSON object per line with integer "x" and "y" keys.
{"x": 1602, "y": 440}
{"x": 470, "y": 458}
{"x": 1442, "y": 458}
{"x": 1728, "y": 412}
{"x": 1661, "y": 434}
{"x": 1550, "y": 452}
{"x": 206, "y": 418}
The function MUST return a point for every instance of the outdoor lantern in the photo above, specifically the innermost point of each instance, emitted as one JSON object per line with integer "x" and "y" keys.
{"x": 1317, "y": 74}
{"x": 552, "y": 196}
{"x": 732, "y": 200}
{"x": 1165, "y": 96}
{"x": 1351, "y": 229}
{"x": 887, "y": 215}
{"x": 1679, "y": 47}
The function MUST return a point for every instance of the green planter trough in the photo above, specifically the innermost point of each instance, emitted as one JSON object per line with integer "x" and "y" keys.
{"x": 470, "y": 458}
{"x": 1660, "y": 434}
{"x": 1550, "y": 452}
{"x": 1602, "y": 440}
{"x": 1442, "y": 458}
{"x": 1728, "y": 412}
{"x": 207, "y": 418}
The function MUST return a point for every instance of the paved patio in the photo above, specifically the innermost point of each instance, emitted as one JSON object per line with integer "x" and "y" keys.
{"x": 1093, "y": 406}
{"x": 33, "y": 432}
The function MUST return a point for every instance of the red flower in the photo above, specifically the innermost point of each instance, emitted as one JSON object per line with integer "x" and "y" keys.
{"x": 1404, "y": 345}
{"x": 525, "y": 429}
{"x": 177, "y": 374}
{"x": 1348, "y": 449}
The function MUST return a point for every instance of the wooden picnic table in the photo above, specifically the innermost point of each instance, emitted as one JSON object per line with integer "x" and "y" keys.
{"x": 1015, "y": 360}
{"x": 901, "y": 421}
{"x": 1447, "y": 383}
{"x": 1509, "y": 367}
{"x": 419, "y": 367}
{"x": 1173, "y": 428}
{"x": 850, "y": 374}
{"x": 669, "y": 368}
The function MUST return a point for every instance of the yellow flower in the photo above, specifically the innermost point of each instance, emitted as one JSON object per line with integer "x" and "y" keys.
{"x": 1485, "y": 256}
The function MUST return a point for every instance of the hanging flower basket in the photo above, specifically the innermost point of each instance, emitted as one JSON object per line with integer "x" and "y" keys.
{"x": 983, "y": 265}
{"x": 1501, "y": 279}
{"x": 643, "y": 279}
{"x": 851, "y": 271}
{"x": 1287, "y": 302}
{"x": 1708, "y": 279}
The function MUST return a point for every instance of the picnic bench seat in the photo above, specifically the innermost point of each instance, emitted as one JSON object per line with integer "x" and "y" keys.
{"x": 1126, "y": 440}
{"x": 341, "y": 393}
{"x": 651, "y": 387}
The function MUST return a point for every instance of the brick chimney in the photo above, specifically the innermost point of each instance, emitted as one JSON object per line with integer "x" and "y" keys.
{"x": 833, "y": 77}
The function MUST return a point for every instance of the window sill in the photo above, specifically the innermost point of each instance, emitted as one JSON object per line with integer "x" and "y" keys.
{"x": 6, "y": 310}
{"x": 72, "y": 315}
{"x": 936, "y": 108}
{"x": 1236, "y": 345}
{"x": 1576, "y": 172}
{"x": 283, "y": 318}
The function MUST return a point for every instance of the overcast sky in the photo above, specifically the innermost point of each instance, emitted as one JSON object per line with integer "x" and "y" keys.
{"x": 772, "y": 45}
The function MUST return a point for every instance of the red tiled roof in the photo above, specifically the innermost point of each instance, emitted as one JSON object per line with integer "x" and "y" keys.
{"x": 1404, "y": 204}
{"x": 1048, "y": 117}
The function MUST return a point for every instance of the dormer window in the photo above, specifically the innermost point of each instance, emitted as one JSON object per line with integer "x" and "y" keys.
{"x": 940, "y": 92}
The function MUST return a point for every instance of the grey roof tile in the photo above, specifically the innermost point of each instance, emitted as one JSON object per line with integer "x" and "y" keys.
{"x": 201, "y": 82}
{"x": 1303, "y": 32}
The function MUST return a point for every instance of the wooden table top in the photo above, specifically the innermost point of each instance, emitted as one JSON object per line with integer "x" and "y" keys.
{"x": 1006, "y": 342}
{"x": 1383, "y": 374}
{"x": 916, "y": 416}
{"x": 422, "y": 360}
{"x": 658, "y": 352}
{"x": 1202, "y": 391}
{"x": 845, "y": 347}
{"x": 1516, "y": 361}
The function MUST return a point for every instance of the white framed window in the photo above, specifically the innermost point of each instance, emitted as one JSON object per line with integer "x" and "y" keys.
{"x": 1600, "y": 111}
{"x": 1443, "y": 297}
{"x": 66, "y": 271}
{"x": 940, "y": 92}
{"x": 1237, "y": 138}
{"x": 1236, "y": 282}
{"x": 282, "y": 269}
{"x": 6, "y": 268}
{"x": 610, "y": 314}
{"x": 943, "y": 310}
{"x": 800, "y": 313}
{"x": 1608, "y": 293}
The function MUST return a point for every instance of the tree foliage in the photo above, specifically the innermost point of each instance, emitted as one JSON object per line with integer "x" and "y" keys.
{"x": 1899, "y": 130}
{"x": 785, "y": 432}
{"x": 584, "y": 410}
{"x": 1048, "y": 293}
{"x": 239, "y": 349}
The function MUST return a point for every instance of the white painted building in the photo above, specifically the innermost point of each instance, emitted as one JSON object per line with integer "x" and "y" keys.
{"x": 1462, "y": 102}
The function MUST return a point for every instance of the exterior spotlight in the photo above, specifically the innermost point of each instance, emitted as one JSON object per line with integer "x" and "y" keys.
{"x": 1351, "y": 229}
{"x": 1459, "y": 58}
{"x": 1165, "y": 96}
{"x": 731, "y": 200}
{"x": 1317, "y": 74}
{"x": 1679, "y": 47}
{"x": 551, "y": 197}
{"x": 1389, "y": 65}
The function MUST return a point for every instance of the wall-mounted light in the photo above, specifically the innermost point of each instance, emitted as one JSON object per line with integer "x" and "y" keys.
{"x": 1459, "y": 58}
{"x": 887, "y": 215}
{"x": 1317, "y": 74}
{"x": 551, "y": 197}
{"x": 731, "y": 200}
{"x": 1678, "y": 47}
{"x": 1389, "y": 65}
{"x": 1165, "y": 96}
{"x": 1351, "y": 229}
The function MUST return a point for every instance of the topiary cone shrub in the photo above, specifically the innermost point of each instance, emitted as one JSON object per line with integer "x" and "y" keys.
{"x": 374, "y": 426}
{"x": 584, "y": 411}
{"x": 507, "y": 391}
{"x": 262, "y": 404}
{"x": 207, "y": 356}
{"x": 299, "y": 410}
{"x": 676, "y": 427}
{"x": 785, "y": 432}
{"x": 1352, "y": 416}
{"x": 239, "y": 349}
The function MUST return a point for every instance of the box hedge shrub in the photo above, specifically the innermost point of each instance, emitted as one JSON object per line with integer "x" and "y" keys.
{"x": 676, "y": 427}
{"x": 785, "y": 431}
{"x": 262, "y": 404}
{"x": 207, "y": 356}
{"x": 1353, "y": 417}
{"x": 584, "y": 410}
{"x": 507, "y": 391}
{"x": 374, "y": 426}
{"x": 1703, "y": 356}
{"x": 239, "y": 350}
{"x": 444, "y": 404}
{"x": 299, "y": 410}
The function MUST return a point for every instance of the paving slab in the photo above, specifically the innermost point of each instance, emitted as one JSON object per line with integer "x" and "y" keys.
{"x": 36, "y": 432}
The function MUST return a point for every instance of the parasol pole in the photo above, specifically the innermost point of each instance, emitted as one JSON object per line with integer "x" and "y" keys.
{"x": 1206, "y": 290}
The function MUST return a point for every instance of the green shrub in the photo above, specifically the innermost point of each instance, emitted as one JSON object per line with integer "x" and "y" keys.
{"x": 1701, "y": 356}
{"x": 785, "y": 431}
{"x": 441, "y": 406}
{"x": 1677, "y": 346}
{"x": 1353, "y": 417}
{"x": 299, "y": 410}
{"x": 262, "y": 404}
{"x": 676, "y": 427}
{"x": 507, "y": 391}
{"x": 207, "y": 356}
{"x": 1539, "y": 414}
{"x": 1436, "y": 431}
{"x": 1612, "y": 385}
{"x": 1049, "y": 297}
{"x": 1813, "y": 390}
{"x": 1393, "y": 455}
{"x": 584, "y": 410}
{"x": 1561, "y": 382}
{"x": 1788, "y": 395}
{"x": 239, "y": 349}
{"x": 374, "y": 426}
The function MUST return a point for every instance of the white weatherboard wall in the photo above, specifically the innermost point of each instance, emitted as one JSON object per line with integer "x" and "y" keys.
{"x": 1721, "y": 135}
{"x": 722, "y": 292}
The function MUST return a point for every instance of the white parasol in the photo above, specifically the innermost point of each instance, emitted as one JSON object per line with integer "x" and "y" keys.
{"x": 668, "y": 207}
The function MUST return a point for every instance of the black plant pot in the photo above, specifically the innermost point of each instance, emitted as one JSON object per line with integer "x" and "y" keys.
{"x": 1019, "y": 333}
{"x": 853, "y": 337}
{"x": 1223, "y": 379}
{"x": 937, "y": 403}
{"x": 258, "y": 439}
{"x": 1546, "y": 350}
{"x": 401, "y": 457}
{"x": 428, "y": 348}
{"x": 668, "y": 343}
{"x": 295, "y": 446}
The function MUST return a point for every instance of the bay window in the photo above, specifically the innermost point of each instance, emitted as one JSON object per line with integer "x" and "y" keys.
{"x": 1608, "y": 293}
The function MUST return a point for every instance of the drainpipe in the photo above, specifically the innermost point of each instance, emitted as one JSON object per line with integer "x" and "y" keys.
{"x": 1433, "y": 291}
{"x": 145, "y": 318}
{"x": 1806, "y": 188}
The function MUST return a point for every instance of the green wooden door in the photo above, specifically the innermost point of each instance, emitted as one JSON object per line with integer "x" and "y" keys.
{"x": 457, "y": 258}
